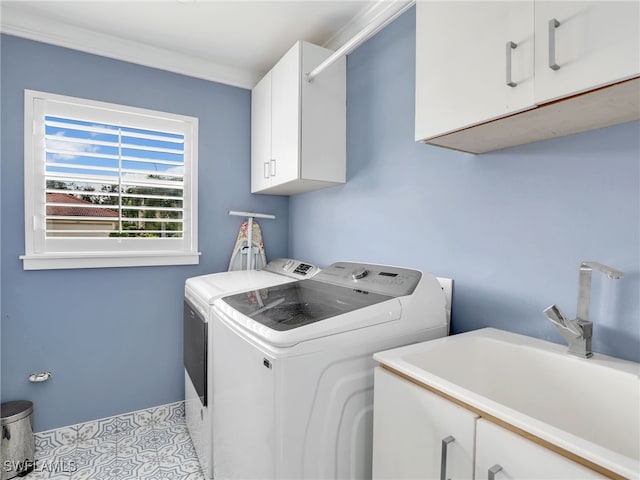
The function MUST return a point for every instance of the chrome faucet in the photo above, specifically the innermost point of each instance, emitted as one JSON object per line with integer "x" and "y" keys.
{"x": 578, "y": 332}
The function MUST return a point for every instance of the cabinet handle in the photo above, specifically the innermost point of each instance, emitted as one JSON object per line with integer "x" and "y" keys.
{"x": 273, "y": 167}
{"x": 553, "y": 24}
{"x": 510, "y": 46}
{"x": 491, "y": 474}
{"x": 266, "y": 169}
{"x": 443, "y": 459}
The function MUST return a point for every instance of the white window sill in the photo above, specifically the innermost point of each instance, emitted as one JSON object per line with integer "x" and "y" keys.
{"x": 102, "y": 260}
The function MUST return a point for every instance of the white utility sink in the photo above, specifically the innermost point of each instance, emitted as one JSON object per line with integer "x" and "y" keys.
{"x": 590, "y": 407}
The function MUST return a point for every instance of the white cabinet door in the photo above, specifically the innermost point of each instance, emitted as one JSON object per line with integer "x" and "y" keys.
{"x": 261, "y": 134}
{"x": 285, "y": 117}
{"x": 275, "y": 124}
{"x": 466, "y": 70}
{"x": 513, "y": 457}
{"x": 591, "y": 45}
{"x": 409, "y": 427}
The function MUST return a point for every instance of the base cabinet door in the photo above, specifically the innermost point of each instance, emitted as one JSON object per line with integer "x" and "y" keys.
{"x": 504, "y": 455}
{"x": 418, "y": 434}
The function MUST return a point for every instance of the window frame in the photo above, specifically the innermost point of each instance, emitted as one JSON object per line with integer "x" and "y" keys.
{"x": 42, "y": 252}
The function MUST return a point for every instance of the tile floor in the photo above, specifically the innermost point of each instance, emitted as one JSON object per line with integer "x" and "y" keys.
{"x": 149, "y": 444}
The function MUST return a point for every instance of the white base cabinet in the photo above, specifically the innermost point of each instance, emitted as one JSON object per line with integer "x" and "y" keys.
{"x": 419, "y": 434}
{"x": 414, "y": 429}
{"x": 504, "y": 455}
{"x": 298, "y": 128}
{"x": 491, "y": 75}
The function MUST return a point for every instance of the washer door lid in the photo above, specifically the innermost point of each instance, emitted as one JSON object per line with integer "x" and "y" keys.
{"x": 289, "y": 314}
{"x": 301, "y": 303}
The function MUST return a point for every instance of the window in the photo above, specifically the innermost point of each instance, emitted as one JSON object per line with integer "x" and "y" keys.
{"x": 108, "y": 185}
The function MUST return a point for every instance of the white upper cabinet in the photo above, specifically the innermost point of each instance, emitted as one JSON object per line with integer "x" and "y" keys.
{"x": 298, "y": 128}
{"x": 584, "y": 45}
{"x": 474, "y": 62}
{"x": 490, "y": 75}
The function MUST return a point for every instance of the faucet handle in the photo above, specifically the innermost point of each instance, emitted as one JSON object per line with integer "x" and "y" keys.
{"x": 555, "y": 316}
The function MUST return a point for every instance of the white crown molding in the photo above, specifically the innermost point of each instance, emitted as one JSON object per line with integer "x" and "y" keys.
{"x": 14, "y": 22}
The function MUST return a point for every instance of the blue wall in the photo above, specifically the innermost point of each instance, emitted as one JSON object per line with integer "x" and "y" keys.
{"x": 510, "y": 227}
{"x": 113, "y": 337}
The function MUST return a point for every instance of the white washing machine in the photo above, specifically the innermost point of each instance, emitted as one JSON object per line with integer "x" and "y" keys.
{"x": 200, "y": 293}
{"x": 293, "y": 378}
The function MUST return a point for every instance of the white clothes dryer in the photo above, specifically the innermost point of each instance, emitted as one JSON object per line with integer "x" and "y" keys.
{"x": 200, "y": 293}
{"x": 293, "y": 378}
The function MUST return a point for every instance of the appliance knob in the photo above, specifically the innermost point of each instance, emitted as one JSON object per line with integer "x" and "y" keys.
{"x": 359, "y": 273}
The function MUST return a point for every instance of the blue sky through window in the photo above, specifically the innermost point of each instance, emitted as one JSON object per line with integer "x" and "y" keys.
{"x": 137, "y": 173}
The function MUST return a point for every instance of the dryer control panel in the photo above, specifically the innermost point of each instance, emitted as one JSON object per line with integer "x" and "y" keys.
{"x": 291, "y": 268}
{"x": 386, "y": 280}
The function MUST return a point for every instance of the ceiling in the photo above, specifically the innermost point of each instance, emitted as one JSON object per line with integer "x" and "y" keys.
{"x": 233, "y": 42}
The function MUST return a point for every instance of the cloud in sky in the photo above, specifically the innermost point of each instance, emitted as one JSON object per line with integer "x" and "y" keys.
{"x": 72, "y": 149}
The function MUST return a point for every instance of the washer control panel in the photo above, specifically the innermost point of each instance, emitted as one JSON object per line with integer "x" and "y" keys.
{"x": 291, "y": 268}
{"x": 386, "y": 280}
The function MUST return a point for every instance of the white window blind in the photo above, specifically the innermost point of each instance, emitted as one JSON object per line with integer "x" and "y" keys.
{"x": 130, "y": 180}
{"x": 107, "y": 184}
